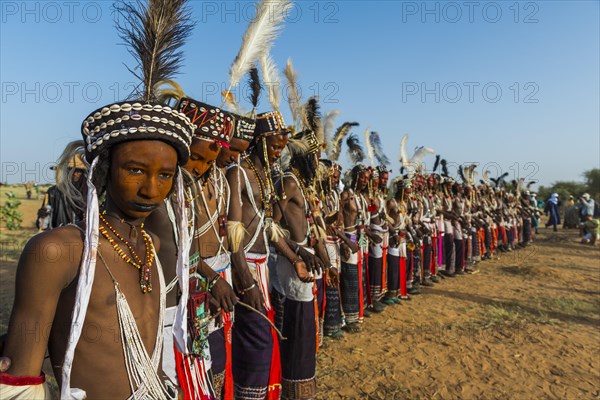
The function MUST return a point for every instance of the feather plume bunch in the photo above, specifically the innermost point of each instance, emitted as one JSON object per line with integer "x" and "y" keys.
{"x": 369, "y": 146}
{"x": 355, "y": 150}
{"x": 259, "y": 37}
{"x": 154, "y": 34}
{"x": 436, "y": 164}
{"x": 271, "y": 80}
{"x": 312, "y": 115}
{"x": 173, "y": 91}
{"x": 333, "y": 151}
{"x": 444, "y": 167}
{"x": 486, "y": 177}
{"x": 403, "y": 154}
{"x": 292, "y": 93}
{"x": 329, "y": 124}
{"x": 461, "y": 173}
{"x": 416, "y": 161}
{"x": 377, "y": 148}
{"x": 470, "y": 173}
{"x": 255, "y": 87}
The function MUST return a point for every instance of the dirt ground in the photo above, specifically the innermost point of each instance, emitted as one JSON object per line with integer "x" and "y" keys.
{"x": 527, "y": 326}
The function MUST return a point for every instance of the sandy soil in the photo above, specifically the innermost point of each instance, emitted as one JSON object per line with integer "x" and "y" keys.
{"x": 525, "y": 327}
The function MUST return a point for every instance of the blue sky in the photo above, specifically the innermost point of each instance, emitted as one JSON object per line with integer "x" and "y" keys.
{"x": 511, "y": 85}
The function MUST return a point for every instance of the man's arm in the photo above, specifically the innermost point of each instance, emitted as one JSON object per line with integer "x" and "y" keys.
{"x": 49, "y": 263}
{"x": 242, "y": 277}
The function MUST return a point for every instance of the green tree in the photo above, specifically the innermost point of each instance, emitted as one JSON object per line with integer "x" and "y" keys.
{"x": 564, "y": 190}
{"x": 9, "y": 212}
{"x": 592, "y": 181}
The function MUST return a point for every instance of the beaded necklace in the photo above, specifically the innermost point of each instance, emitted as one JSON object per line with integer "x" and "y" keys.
{"x": 265, "y": 193}
{"x": 143, "y": 267}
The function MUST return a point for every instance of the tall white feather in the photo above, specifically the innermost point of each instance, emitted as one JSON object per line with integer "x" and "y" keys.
{"x": 370, "y": 151}
{"x": 292, "y": 94}
{"x": 271, "y": 80}
{"x": 259, "y": 37}
{"x": 329, "y": 124}
{"x": 416, "y": 161}
{"x": 403, "y": 154}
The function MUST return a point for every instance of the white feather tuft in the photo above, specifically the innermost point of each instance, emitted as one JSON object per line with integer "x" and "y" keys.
{"x": 329, "y": 124}
{"x": 403, "y": 154}
{"x": 259, "y": 37}
{"x": 370, "y": 150}
{"x": 271, "y": 80}
{"x": 292, "y": 94}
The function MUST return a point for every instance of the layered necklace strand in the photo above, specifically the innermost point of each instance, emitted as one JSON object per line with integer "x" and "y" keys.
{"x": 143, "y": 266}
{"x": 263, "y": 189}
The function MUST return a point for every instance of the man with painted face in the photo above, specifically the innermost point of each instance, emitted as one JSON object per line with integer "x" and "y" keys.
{"x": 353, "y": 280}
{"x": 379, "y": 228}
{"x": 207, "y": 200}
{"x": 255, "y": 347}
{"x": 136, "y": 171}
{"x": 109, "y": 344}
{"x": 298, "y": 213}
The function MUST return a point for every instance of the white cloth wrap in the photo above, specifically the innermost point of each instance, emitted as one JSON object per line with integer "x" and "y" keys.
{"x": 402, "y": 249}
{"x": 168, "y": 361}
{"x": 457, "y": 231}
{"x": 448, "y": 228}
{"x": 332, "y": 245}
{"x": 84, "y": 287}
{"x": 394, "y": 251}
{"x": 376, "y": 249}
{"x": 293, "y": 287}
{"x": 260, "y": 273}
{"x": 28, "y": 392}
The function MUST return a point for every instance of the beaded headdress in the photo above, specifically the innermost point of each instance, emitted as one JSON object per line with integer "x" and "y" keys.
{"x": 211, "y": 122}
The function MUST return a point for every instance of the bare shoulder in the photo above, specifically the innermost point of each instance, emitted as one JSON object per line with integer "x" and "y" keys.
{"x": 54, "y": 254}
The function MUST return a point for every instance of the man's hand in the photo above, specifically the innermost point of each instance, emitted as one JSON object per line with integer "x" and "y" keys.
{"x": 332, "y": 277}
{"x": 4, "y": 364}
{"x": 312, "y": 262}
{"x": 224, "y": 295}
{"x": 302, "y": 271}
{"x": 253, "y": 297}
{"x": 346, "y": 252}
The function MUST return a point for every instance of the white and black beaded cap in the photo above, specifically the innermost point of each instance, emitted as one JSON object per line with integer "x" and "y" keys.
{"x": 127, "y": 121}
{"x": 209, "y": 121}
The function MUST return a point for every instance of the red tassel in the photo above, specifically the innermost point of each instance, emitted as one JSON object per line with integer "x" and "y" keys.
{"x": 274, "y": 389}
{"x": 228, "y": 384}
{"x": 384, "y": 272}
{"x": 403, "y": 289}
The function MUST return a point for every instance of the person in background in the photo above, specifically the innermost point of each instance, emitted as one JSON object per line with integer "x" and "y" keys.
{"x": 64, "y": 202}
{"x": 587, "y": 207}
{"x": 29, "y": 185}
{"x": 590, "y": 230}
{"x": 552, "y": 207}
{"x": 571, "y": 214}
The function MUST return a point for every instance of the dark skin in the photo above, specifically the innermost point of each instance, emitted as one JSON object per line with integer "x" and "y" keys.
{"x": 203, "y": 154}
{"x": 293, "y": 208}
{"x": 141, "y": 176}
{"x": 245, "y": 213}
{"x": 231, "y": 154}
